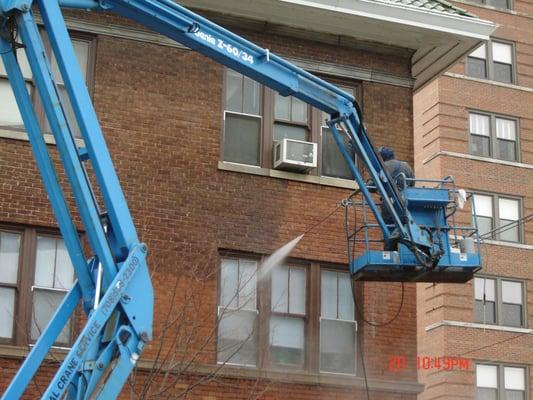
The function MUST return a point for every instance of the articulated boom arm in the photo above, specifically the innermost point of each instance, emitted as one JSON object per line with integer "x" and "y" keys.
{"x": 113, "y": 282}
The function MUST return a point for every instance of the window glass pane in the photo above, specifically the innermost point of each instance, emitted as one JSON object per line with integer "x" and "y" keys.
{"x": 69, "y": 113}
{"x": 485, "y": 313}
{"x": 502, "y": 52}
{"x": 480, "y": 124}
{"x": 299, "y": 110}
{"x": 337, "y": 346}
{"x": 282, "y": 131}
{"x": 333, "y": 163}
{"x": 242, "y": 139}
{"x": 9, "y": 113}
{"x": 237, "y": 337}
{"x": 512, "y": 292}
{"x": 247, "y": 284}
{"x": 484, "y": 225}
{"x": 328, "y": 294}
{"x": 480, "y": 52}
{"x": 487, "y": 394}
{"x": 280, "y": 292}
{"x": 45, "y": 303}
{"x": 511, "y": 315}
{"x": 252, "y": 97}
{"x": 297, "y": 284}
{"x": 483, "y": 205}
{"x": 476, "y": 68}
{"x": 64, "y": 275}
{"x": 287, "y": 340}
{"x": 282, "y": 107}
{"x": 484, "y": 286}
{"x": 480, "y": 145}
{"x": 507, "y": 150}
{"x": 346, "y": 306}
{"x": 498, "y": 3}
{"x": 503, "y": 72}
{"x": 9, "y": 257}
{"x": 487, "y": 376}
{"x": 45, "y": 261}
{"x": 509, "y": 209}
{"x": 7, "y": 312}
{"x": 229, "y": 278}
{"x": 514, "y": 378}
{"x": 510, "y": 232}
{"x": 505, "y": 129}
{"x": 81, "y": 49}
{"x": 23, "y": 64}
{"x": 234, "y": 88}
{"x": 514, "y": 395}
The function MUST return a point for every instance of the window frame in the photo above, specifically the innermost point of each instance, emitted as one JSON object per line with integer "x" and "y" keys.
{"x": 509, "y": 7}
{"x": 91, "y": 40}
{"x": 22, "y": 320}
{"x": 498, "y": 299}
{"x": 496, "y": 214}
{"x": 489, "y": 61}
{"x": 493, "y": 139}
{"x": 500, "y": 390}
{"x": 311, "y": 317}
{"x": 268, "y": 120}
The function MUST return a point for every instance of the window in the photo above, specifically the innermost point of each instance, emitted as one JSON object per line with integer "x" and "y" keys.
{"x": 35, "y": 276}
{"x": 242, "y": 120}
{"x": 333, "y": 163}
{"x": 287, "y": 320}
{"x": 494, "y": 211}
{"x": 54, "y": 276}
{"x": 500, "y": 382}
{"x": 255, "y": 117}
{"x": 493, "y": 136}
{"x": 495, "y": 3}
{"x": 499, "y": 301}
{"x": 296, "y": 316}
{"x": 494, "y": 61}
{"x": 237, "y": 312}
{"x": 337, "y": 323}
{"x": 9, "y": 260}
{"x": 10, "y": 118}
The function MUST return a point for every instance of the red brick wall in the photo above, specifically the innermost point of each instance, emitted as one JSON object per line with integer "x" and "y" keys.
{"x": 160, "y": 109}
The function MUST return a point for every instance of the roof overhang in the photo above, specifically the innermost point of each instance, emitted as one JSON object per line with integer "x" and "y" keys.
{"x": 436, "y": 38}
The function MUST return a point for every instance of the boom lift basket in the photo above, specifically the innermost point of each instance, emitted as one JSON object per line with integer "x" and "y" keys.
{"x": 434, "y": 210}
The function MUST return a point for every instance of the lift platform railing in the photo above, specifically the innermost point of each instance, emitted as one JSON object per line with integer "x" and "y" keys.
{"x": 374, "y": 258}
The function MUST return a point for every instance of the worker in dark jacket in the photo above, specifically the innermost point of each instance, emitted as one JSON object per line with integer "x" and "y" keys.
{"x": 402, "y": 174}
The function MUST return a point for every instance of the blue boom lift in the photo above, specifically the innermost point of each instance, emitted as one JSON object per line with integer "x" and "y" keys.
{"x": 113, "y": 283}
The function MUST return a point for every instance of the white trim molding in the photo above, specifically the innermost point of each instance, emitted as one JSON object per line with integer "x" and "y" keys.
{"x": 476, "y": 158}
{"x": 274, "y": 173}
{"x": 489, "y": 82}
{"x": 475, "y": 325}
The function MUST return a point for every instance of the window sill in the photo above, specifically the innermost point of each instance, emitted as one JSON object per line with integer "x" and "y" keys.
{"x": 477, "y": 158}
{"x": 23, "y": 136}
{"x": 508, "y": 244}
{"x": 274, "y": 173}
{"x": 305, "y": 378}
{"x": 476, "y": 325}
{"x": 10, "y": 351}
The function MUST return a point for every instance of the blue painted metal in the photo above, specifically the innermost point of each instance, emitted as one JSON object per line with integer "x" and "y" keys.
{"x": 120, "y": 325}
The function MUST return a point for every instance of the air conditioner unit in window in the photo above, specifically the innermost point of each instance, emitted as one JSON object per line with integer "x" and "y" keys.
{"x": 294, "y": 155}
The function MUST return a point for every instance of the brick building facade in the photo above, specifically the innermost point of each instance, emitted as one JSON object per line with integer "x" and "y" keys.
{"x": 173, "y": 121}
{"x": 475, "y": 123}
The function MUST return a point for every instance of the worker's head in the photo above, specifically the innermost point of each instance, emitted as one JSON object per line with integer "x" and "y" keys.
{"x": 386, "y": 153}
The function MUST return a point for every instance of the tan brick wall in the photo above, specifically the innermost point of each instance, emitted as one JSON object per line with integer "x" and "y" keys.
{"x": 441, "y": 125}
